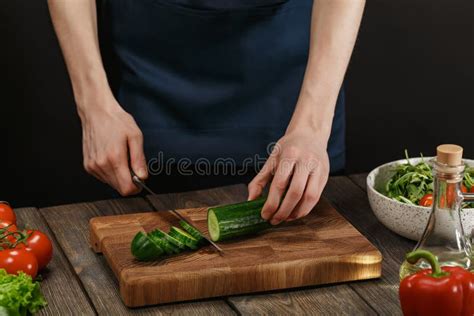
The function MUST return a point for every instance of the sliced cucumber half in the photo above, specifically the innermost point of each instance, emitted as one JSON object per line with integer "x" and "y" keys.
{"x": 226, "y": 222}
{"x": 192, "y": 231}
{"x": 164, "y": 244}
{"x": 144, "y": 248}
{"x": 175, "y": 242}
{"x": 184, "y": 237}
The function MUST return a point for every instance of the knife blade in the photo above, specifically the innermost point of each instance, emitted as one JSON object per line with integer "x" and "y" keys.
{"x": 142, "y": 184}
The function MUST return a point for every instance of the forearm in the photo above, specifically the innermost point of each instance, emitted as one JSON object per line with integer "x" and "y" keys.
{"x": 75, "y": 22}
{"x": 334, "y": 28}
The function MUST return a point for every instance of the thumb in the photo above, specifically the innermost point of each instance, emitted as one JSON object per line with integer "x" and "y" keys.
{"x": 137, "y": 156}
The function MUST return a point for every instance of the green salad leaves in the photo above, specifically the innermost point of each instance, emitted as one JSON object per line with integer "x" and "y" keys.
{"x": 19, "y": 294}
{"x": 411, "y": 182}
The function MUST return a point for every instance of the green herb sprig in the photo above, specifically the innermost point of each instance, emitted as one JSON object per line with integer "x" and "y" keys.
{"x": 410, "y": 182}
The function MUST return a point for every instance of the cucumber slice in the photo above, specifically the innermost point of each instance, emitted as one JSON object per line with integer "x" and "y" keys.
{"x": 175, "y": 242}
{"x": 226, "y": 222}
{"x": 164, "y": 244}
{"x": 192, "y": 231}
{"x": 184, "y": 237}
{"x": 144, "y": 248}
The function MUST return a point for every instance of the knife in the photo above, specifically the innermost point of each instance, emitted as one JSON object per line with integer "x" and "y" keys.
{"x": 142, "y": 184}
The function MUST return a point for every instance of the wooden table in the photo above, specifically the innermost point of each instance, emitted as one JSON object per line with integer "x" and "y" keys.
{"x": 79, "y": 282}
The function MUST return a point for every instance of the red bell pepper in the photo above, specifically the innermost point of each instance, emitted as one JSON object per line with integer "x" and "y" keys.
{"x": 437, "y": 291}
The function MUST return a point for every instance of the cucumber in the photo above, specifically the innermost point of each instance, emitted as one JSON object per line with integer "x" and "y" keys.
{"x": 173, "y": 241}
{"x": 168, "y": 247}
{"x": 144, "y": 248}
{"x": 192, "y": 231}
{"x": 226, "y": 222}
{"x": 244, "y": 205}
{"x": 184, "y": 237}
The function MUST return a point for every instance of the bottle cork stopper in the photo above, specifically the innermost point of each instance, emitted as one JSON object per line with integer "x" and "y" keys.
{"x": 449, "y": 154}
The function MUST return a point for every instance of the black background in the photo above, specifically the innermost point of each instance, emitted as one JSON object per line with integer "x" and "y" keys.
{"x": 409, "y": 85}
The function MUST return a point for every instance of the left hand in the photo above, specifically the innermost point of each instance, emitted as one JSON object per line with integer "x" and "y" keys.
{"x": 299, "y": 166}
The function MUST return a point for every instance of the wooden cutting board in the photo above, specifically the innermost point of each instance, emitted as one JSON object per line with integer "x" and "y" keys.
{"x": 318, "y": 249}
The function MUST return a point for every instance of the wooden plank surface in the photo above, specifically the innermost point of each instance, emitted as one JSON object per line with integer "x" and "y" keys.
{"x": 327, "y": 300}
{"x": 321, "y": 248}
{"x": 60, "y": 286}
{"x": 332, "y": 300}
{"x": 360, "y": 179}
{"x": 70, "y": 223}
{"x": 351, "y": 201}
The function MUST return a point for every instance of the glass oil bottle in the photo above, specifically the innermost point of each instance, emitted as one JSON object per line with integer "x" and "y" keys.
{"x": 444, "y": 235}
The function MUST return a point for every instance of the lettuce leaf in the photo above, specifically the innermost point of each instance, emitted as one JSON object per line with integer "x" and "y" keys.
{"x": 19, "y": 294}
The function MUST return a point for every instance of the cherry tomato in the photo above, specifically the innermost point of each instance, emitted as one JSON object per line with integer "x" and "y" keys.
{"x": 38, "y": 244}
{"x": 449, "y": 198}
{"x": 6, "y": 212}
{"x": 472, "y": 189}
{"x": 426, "y": 200}
{"x": 14, "y": 260}
{"x": 464, "y": 188}
{"x": 9, "y": 229}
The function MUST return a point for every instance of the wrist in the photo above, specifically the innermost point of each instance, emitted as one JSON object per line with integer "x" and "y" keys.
{"x": 314, "y": 118}
{"x": 319, "y": 132}
{"x": 92, "y": 93}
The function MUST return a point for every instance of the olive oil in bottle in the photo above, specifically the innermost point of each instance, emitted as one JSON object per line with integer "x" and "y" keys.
{"x": 444, "y": 235}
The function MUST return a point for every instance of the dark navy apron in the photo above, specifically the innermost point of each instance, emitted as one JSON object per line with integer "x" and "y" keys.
{"x": 213, "y": 78}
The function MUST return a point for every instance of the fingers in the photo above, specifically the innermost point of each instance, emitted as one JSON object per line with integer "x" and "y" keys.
{"x": 258, "y": 183}
{"x": 293, "y": 195}
{"x": 102, "y": 164}
{"x": 112, "y": 144}
{"x": 121, "y": 170}
{"x": 277, "y": 188}
{"x": 111, "y": 165}
{"x": 311, "y": 196}
{"x": 92, "y": 169}
{"x": 89, "y": 163}
{"x": 137, "y": 156}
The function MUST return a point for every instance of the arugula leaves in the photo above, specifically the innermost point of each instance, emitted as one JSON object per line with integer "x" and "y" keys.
{"x": 411, "y": 182}
{"x": 469, "y": 178}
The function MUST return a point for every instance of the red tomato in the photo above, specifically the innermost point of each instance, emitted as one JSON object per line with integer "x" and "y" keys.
{"x": 38, "y": 244}
{"x": 472, "y": 189}
{"x": 426, "y": 200}
{"x": 11, "y": 228}
{"x": 449, "y": 198}
{"x": 14, "y": 260}
{"x": 464, "y": 188}
{"x": 6, "y": 213}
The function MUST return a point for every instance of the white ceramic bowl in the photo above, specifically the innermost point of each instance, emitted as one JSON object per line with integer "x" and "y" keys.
{"x": 406, "y": 220}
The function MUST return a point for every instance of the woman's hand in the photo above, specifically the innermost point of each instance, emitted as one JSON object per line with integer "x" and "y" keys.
{"x": 112, "y": 141}
{"x": 110, "y": 138}
{"x": 299, "y": 166}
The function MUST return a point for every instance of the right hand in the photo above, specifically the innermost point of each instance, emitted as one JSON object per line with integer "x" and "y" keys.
{"x": 110, "y": 136}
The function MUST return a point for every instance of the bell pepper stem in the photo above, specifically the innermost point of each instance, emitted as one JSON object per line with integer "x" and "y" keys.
{"x": 414, "y": 256}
